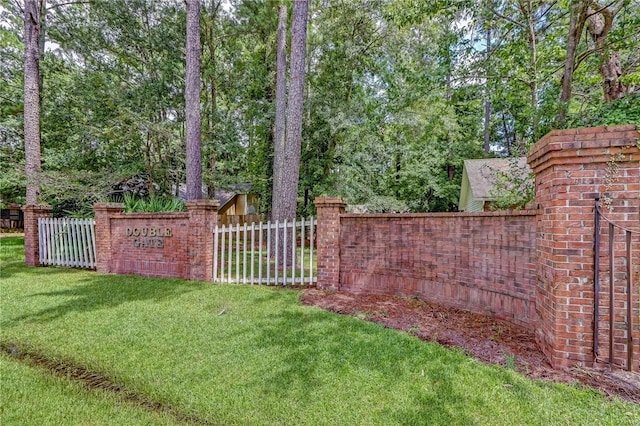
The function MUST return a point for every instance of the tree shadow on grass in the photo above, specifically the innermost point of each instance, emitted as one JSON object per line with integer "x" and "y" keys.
{"x": 319, "y": 351}
{"x": 12, "y": 261}
{"x": 11, "y": 256}
{"x": 98, "y": 291}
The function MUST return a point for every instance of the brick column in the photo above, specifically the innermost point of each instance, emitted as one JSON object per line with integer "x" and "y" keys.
{"x": 31, "y": 243}
{"x": 203, "y": 218}
{"x": 103, "y": 213}
{"x": 328, "y": 241}
{"x": 572, "y": 168}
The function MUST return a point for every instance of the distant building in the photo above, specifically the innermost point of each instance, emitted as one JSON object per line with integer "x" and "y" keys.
{"x": 11, "y": 217}
{"x": 238, "y": 205}
{"x": 478, "y": 179}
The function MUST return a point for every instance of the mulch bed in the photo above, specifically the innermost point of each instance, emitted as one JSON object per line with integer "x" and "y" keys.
{"x": 487, "y": 339}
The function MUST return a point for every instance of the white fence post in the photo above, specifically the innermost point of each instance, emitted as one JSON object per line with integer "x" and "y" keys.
{"x": 67, "y": 242}
{"x": 236, "y": 249}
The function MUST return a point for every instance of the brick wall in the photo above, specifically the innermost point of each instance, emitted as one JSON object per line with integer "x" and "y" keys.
{"x": 328, "y": 240}
{"x": 571, "y": 168}
{"x": 483, "y": 262}
{"x": 137, "y": 254}
{"x": 176, "y": 245}
{"x": 534, "y": 269}
{"x": 31, "y": 243}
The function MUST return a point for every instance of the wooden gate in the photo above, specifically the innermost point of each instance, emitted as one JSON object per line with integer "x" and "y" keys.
{"x": 67, "y": 242}
{"x": 251, "y": 254}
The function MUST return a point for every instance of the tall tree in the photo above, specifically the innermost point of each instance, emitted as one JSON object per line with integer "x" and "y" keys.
{"x": 288, "y": 192}
{"x": 209, "y": 74}
{"x": 599, "y": 20}
{"x": 577, "y": 18}
{"x": 599, "y": 24}
{"x": 487, "y": 100}
{"x": 279, "y": 132}
{"x": 192, "y": 101}
{"x": 378, "y": 75}
{"x": 32, "y": 10}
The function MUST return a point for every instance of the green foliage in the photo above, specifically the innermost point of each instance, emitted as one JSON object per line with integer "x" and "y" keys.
{"x": 394, "y": 99}
{"x": 12, "y": 184}
{"x": 12, "y": 171}
{"x": 512, "y": 189}
{"x": 625, "y": 110}
{"x": 385, "y": 204}
{"x": 510, "y": 362}
{"x": 73, "y": 192}
{"x": 153, "y": 203}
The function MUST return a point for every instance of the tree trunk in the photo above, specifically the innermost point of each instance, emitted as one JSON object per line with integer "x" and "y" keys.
{"x": 611, "y": 73}
{"x": 285, "y": 191}
{"x": 42, "y": 42}
{"x": 213, "y": 95}
{"x": 32, "y": 99}
{"x": 281, "y": 104}
{"x": 599, "y": 23}
{"x": 576, "y": 24}
{"x": 291, "y": 171}
{"x": 487, "y": 100}
{"x": 528, "y": 11}
{"x": 192, "y": 101}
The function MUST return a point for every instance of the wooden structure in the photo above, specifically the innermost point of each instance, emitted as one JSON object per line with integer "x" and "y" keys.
{"x": 238, "y": 205}
{"x": 12, "y": 217}
{"x": 237, "y": 208}
{"x": 479, "y": 178}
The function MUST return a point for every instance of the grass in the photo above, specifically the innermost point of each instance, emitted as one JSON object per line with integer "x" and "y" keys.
{"x": 248, "y": 355}
{"x": 33, "y": 397}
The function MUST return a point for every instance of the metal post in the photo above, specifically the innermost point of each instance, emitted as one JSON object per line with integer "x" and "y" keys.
{"x": 215, "y": 254}
{"x": 611, "y": 292}
{"x": 222, "y": 249}
{"x": 244, "y": 253}
{"x": 629, "y": 310}
{"x": 253, "y": 249}
{"x": 596, "y": 281}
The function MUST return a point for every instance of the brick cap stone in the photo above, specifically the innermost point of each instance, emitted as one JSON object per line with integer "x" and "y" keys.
{"x": 589, "y": 142}
{"x": 108, "y": 206}
{"x": 330, "y": 202}
{"x": 501, "y": 213}
{"x": 202, "y": 204}
{"x": 149, "y": 215}
{"x": 37, "y": 208}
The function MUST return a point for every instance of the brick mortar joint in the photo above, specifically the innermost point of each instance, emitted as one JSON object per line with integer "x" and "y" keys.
{"x": 572, "y": 134}
{"x": 544, "y": 151}
{"x": 37, "y": 208}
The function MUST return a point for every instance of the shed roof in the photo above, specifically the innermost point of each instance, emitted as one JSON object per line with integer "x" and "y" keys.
{"x": 223, "y": 195}
{"x": 481, "y": 173}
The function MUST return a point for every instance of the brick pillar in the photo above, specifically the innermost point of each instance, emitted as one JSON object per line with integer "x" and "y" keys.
{"x": 328, "y": 241}
{"x": 31, "y": 245}
{"x": 103, "y": 213}
{"x": 572, "y": 168}
{"x": 203, "y": 218}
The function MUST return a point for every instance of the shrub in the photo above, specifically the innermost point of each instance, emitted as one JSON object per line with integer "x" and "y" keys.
{"x": 153, "y": 203}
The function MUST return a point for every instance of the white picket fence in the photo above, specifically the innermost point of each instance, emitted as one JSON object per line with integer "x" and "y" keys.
{"x": 67, "y": 242}
{"x": 250, "y": 254}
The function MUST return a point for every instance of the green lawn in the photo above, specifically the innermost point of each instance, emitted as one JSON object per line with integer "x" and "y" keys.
{"x": 33, "y": 397}
{"x": 247, "y": 355}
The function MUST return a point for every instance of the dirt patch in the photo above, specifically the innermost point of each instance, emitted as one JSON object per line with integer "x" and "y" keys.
{"x": 94, "y": 380}
{"x": 7, "y": 234}
{"x": 490, "y": 340}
